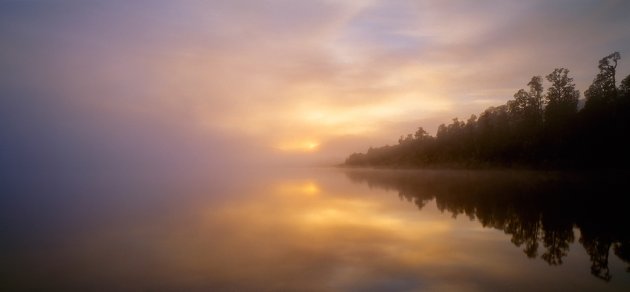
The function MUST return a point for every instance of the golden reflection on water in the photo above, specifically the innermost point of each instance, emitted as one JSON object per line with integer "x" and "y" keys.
{"x": 299, "y": 234}
{"x": 314, "y": 232}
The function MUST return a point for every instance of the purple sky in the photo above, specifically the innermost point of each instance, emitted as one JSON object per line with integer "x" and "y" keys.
{"x": 213, "y": 82}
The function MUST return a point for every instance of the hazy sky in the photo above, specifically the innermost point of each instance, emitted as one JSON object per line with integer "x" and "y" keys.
{"x": 88, "y": 83}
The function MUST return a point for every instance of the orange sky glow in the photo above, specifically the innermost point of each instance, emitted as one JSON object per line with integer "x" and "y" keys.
{"x": 304, "y": 80}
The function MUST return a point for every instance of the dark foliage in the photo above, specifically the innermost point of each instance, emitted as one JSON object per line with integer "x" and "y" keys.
{"x": 535, "y": 129}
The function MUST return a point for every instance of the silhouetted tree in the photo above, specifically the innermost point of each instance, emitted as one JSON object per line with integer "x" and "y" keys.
{"x": 603, "y": 91}
{"x": 561, "y": 98}
{"x": 536, "y": 95}
{"x": 624, "y": 88}
{"x": 624, "y": 97}
{"x": 527, "y": 107}
{"x": 421, "y": 134}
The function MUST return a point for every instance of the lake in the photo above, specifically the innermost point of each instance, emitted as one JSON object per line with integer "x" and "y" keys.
{"x": 319, "y": 230}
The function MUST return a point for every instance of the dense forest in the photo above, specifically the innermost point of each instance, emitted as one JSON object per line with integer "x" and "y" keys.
{"x": 535, "y": 129}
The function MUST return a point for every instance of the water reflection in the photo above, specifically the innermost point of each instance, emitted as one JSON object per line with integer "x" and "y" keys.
{"x": 288, "y": 231}
{"x": 313, "y": 230}
{"x": 539, "y": 210}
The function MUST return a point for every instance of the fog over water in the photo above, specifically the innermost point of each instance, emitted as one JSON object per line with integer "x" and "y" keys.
{"x": 316, "y": 229}
{"x": 162, "y": 145}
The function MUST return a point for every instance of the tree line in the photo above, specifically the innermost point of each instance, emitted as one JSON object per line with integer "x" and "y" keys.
{"x": 534, "y": 129}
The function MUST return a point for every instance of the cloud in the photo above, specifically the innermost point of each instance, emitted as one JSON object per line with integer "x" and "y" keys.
{"x": 285, "y": 72}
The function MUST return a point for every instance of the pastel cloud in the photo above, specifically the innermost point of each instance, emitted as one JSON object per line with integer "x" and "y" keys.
{"x": 343, "y": 73}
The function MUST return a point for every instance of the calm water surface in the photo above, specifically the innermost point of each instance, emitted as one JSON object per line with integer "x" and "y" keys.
{"x": 318, "y": 230}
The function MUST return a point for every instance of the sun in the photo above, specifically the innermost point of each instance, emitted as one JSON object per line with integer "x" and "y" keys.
{"x": 299, "y": 146}
{"x": 311, "y": 146}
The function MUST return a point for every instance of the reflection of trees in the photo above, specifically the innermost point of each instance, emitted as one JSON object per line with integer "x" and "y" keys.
{"x": 535, "y": 209}
{"x": 622, "y": 250}
{"x": 597, "y": 248}
{"x": 556, "y": 241}
{"x": 525, "y": 232}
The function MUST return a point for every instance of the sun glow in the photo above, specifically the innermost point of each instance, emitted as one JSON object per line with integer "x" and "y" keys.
{"x": 299, "y": 146}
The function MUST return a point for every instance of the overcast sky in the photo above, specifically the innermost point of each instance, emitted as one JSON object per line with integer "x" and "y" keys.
{"x": 108, "y": 82}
